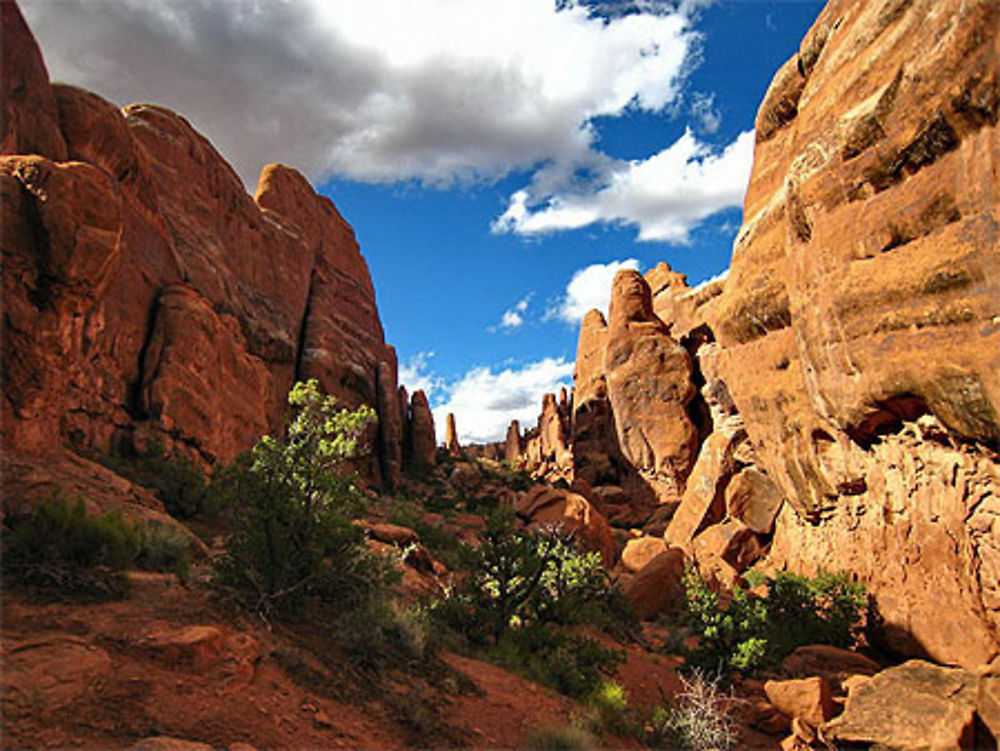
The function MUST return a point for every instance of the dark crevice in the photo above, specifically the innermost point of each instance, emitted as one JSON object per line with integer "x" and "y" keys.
{"x": 886, "y": 417}
{"x": 133, "y": 392}
{"x": 300, "y": 345}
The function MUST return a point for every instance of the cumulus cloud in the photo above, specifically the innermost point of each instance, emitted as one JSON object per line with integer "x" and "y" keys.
{"x": 415, "y": 374}
{"x": 664, "y": 196}
{"x": 513, "y": 318}
{"x": 485, "y": 401}
{"x": 589, "y": 288}
{"x": 380, "y": 90}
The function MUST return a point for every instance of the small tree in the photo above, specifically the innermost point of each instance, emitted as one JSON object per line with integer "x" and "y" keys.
{"x": 293, "y": 537}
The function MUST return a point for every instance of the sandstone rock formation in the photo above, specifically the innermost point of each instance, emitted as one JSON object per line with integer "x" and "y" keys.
{"x": 148, "y": 299}
{"x": 451, "y": 443}
{"x": 512, "y": 446}
{"x": 855, "y": 339}
{"x": 870, "y": 241}
{"x": 422, "y": 438}
{"x": 917, "y": 705}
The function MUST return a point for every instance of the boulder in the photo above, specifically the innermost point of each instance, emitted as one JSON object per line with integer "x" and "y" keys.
{"x": 658, "y": 587}
{"x": 754, "y": 499}
{"x": 572, "y": 514}
{"x": 703, "y": 503}
{"x": 806, "y": 699}
{"x": 730, "y": 542}
{"x": 641, "y": 550}
{"x": 910, "y": 707}
{"x": 834, "y": 664}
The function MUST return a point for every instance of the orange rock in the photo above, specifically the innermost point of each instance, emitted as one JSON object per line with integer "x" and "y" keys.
{"x": 912, "y": 706}
{"x": 649, "y": 387}
{"x": 832, "y": 663}
{"x": 166, "y": 743}
{"x": 572, "y": 514}
{"x": 147, "y": 204}
{"x": 658, "y": 586}
{"x": 641, "y": 550}
{"x": 423, "y": 440}
{"x": 754, "y": 499}
{"x": 45, "y": 674}
{"x": 730, "y": 542}
{"x": 451, "y": 436}
{"x": 807, "y": 699}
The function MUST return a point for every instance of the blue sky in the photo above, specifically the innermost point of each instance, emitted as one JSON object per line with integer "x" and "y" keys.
{"x": 498, "y": 159}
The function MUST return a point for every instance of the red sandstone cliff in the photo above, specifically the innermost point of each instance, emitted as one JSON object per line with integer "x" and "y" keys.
{"x": 147, "y": 297}
{"x": 848, "y": 368}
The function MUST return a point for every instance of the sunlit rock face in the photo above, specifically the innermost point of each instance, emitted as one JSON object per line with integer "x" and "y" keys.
{"x": 149, "y": 299}
{"x": 858, "y": 332}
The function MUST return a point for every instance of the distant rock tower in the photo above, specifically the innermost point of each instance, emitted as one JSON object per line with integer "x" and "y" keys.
{"x": 512, "y": 447}
{"x": 451, "y": 436}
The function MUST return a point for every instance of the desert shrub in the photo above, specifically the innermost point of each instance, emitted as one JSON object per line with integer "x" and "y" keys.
{"x": 571, "y": 664}
{"x": 750, "y": 633}
{"x": 516, "y": 578}
{"x": 60, "y": 550}
{"x": 293, "y": 541}
{"x": 519, "y": 591}
{"x": 608, "y": 710}
{"x": 560, "y": 738}
{"x": 701, "y": 718}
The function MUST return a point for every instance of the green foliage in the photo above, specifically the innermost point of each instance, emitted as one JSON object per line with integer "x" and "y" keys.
{"x": 560, "y": 738}
{"x": 518, "y": 578}
{"x": 520, "y": 589}
{"x": 750, "y": 633}
{"x": 608, "y": 709}
{"x": 293, "y": 540}
{"x": 573, "y": 665}
{"x": 59, "y": 549}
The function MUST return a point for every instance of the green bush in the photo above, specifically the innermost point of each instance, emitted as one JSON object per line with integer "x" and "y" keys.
{"x": 293, "y": 540}
{"x": 520, "y": 590}
{"x": 750, "y": 633}
{"x": 518, "y": 578}
{"x": 573, "y": 665}
{"x": 57, "y": 548}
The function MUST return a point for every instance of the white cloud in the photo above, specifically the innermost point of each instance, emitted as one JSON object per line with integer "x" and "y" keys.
{"x": 414, "y": 374}
{"x": 665, "y": 196}
{"x": 513, "y": 318}
{"x": 484, "y": 402}
{"x": 589, "y": 288}
{"x": 706, "y": 117}
{"x": 379, "y": 90}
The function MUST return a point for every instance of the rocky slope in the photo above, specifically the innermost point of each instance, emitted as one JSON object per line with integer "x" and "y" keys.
{"x": 841, "y": 388}
{"x": 149, "y": 299}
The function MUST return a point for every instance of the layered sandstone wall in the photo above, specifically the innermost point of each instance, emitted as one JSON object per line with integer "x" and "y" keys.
{"x": 842, "y": 394}
{"x": 148, "y": 298}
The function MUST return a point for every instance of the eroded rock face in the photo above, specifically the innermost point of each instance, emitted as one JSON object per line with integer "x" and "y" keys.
{"x": 857, "y": 330}
{"x": 146, "y": 293}
{"x": 422, "y": 436}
